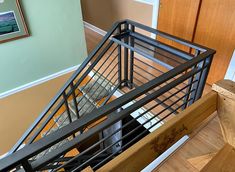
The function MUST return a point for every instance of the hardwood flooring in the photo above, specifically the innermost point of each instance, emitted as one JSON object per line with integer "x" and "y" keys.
{"x": 208, "y": 140}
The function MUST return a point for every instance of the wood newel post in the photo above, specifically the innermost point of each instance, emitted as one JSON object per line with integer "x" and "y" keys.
{"x": 226, "y": 109}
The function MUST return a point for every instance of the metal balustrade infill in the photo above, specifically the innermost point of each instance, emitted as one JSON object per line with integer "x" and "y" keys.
{"x": 129, "y": 86}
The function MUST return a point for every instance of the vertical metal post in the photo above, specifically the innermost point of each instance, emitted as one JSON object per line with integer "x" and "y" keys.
{"x": 131, "y": 58}
{"x": 119, "y": 59}
{"x": 74, "y": 99}
{"x": 67, "y": 107}
{"x": 27, "y": 166}
{"x": 197, "y": 77}
{"x": 204, "y": 74}
{"x": 126, "y": 58}
{"x": 191, "y": 85}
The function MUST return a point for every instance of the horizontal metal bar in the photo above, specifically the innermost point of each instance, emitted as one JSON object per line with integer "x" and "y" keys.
{"x": 133, "y": 140}
{"x": 168, "y": 36}
{"x": 132, "y": 131}
{"x": 51, "y": 115}
{"x": 139, "y": 51}
{"x": 96, "y": 71}
{"x": 104, "y": 88}
{"x": 43, "y": 125}
{"x": 39, "y": 163}
{"x": 157, "y": 100}
{"x": 177, "y": 52}
{"x": 152, "y": 75}
{"x": 84, "y": 95}
{"x": 149, "y": 65}
{"x": 158, "y": 53}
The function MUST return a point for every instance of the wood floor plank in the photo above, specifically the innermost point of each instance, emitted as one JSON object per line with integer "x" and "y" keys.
{"x": 223, "y": 161}
{"x": 200, "y": 161}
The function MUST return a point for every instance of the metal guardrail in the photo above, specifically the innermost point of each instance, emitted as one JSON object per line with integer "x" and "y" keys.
{"x": 161, "y": 79}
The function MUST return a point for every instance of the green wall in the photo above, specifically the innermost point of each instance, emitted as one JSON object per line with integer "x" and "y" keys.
{"x": 56, "y": 42}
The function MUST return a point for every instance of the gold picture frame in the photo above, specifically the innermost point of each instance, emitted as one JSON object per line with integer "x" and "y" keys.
{"x": 12, "y": 23}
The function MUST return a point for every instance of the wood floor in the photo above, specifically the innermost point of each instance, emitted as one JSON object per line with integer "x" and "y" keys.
{"x": 193, "y": 155}
{"x": 201, "y": 147}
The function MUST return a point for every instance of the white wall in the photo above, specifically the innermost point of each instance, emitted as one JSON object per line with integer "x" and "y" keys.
{"x": 230, "y": 74}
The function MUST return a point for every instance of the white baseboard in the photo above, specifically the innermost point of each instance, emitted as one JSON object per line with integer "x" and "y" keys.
{"x": 94, "y": 28}
{"x": 37, "y": 82}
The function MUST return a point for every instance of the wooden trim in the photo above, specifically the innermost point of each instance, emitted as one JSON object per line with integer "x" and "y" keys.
{"x": 149, "y": 148}
{"x": 38, "y": 81}
{"x": 225, "y": 88}
{"x": 226, "y": 109}
{"x": 223, "y": 160}
{"x": 22, "y": 18}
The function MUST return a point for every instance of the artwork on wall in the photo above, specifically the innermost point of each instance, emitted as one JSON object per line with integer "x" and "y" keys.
{"x": 12, "y": 23}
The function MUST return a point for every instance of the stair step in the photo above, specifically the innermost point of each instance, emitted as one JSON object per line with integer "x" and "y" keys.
{"x": 222, "y": 161}
{"x": 95, "y": 91}
{"x": 85, "y": 106}
{"x": 49, "y": 131}
{"x": 63, "y": 119}
{"x": 56, "y": 146}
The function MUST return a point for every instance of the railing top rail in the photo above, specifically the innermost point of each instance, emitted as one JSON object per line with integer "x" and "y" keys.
{"x": 168, "y": 36}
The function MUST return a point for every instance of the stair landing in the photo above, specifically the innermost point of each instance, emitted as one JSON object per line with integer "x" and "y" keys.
{"x": 197, "y": 152}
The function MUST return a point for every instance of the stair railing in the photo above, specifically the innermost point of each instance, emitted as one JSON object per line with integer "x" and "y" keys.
{"x": 183, "y": 76}
{"x": 62, "y": 92}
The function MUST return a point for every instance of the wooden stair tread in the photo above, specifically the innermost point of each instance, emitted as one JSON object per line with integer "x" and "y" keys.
{"x": 200, "y": 161}
{"x": 224, "y": 160}
{"x": 95, "y": 91}
{"x": 88, "y": 169}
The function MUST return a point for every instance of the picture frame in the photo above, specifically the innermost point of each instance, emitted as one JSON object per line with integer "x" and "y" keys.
{"x": 12, "y": 23}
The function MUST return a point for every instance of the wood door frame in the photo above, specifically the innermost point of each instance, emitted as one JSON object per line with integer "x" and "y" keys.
{"x": 155, "y": 12}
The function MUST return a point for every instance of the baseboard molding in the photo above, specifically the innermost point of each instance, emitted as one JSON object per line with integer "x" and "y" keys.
{"x": 39, "y": 81}
{"x": 94, "y": 28}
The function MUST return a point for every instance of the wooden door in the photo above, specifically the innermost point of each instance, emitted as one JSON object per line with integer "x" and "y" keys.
{"x": 216, "y": 29}
{"x": 178, "y": 18}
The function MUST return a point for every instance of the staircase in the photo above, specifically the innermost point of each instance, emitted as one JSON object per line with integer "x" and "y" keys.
{"x": 128, "y": 87}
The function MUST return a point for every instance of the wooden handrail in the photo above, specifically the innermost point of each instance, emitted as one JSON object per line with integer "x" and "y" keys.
{"x": 153, "y": 145}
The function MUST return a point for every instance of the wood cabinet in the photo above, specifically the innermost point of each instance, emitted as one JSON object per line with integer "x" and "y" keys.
{"x": 207, "y": 22}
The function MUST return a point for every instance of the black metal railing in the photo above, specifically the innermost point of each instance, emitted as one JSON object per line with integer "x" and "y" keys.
{"x": 129, "y": 86}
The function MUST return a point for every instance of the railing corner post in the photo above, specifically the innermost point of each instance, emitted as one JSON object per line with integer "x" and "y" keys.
{"x": 26, "y": 165}
{"x": 226, "y": 109}
{"x": 126, "y": 56}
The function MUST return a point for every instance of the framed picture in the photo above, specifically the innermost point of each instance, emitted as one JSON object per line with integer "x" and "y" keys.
{"x": 12, "y": 23}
